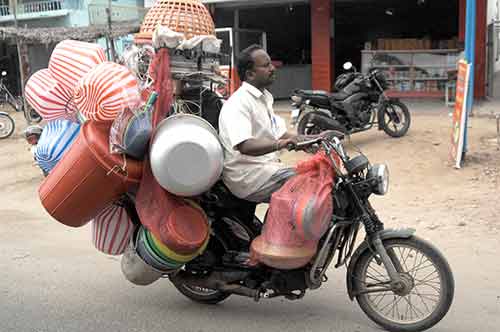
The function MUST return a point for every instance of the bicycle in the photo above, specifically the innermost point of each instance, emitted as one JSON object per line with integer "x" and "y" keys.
{"x": 7, "y": 99}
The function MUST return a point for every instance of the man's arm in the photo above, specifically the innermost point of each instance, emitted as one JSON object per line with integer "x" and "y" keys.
{"x": 259, "y": 147}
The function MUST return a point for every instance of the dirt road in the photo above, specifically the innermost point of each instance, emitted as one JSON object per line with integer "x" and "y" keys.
{"x": 52, "y": 279}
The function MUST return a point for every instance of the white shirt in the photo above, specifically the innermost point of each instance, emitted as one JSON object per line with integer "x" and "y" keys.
{"x": 248, "y": 113}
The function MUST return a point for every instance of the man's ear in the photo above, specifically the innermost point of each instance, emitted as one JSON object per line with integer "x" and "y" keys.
{"x": 249, "y": 74}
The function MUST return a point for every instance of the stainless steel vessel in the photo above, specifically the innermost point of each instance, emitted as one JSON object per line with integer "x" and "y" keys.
{"x": 186, "y": 155}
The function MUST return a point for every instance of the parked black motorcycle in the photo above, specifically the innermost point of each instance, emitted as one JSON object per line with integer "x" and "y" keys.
{"x": 359, "y": 103}
{"x": 400, "y": 281}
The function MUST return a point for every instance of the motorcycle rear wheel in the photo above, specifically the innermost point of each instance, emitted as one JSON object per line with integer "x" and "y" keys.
{"x": 308, "y": 127}
{"x": 430, "y": 286}
{"x": 396, "y": 119}
{"x": 7, "y": 126}
{"x": 216, "y": 247}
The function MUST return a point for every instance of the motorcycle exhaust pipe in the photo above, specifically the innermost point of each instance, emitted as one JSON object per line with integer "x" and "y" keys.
{"x": 219, "y": 281}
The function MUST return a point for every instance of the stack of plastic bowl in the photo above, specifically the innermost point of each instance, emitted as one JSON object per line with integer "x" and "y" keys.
{"x": 161, "y": 257}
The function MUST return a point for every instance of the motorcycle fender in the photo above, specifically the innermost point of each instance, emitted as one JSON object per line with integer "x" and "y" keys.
{"x": 384, "y": 235}
{"x": 380, "y": 113}
{"x": 4, "y": 113}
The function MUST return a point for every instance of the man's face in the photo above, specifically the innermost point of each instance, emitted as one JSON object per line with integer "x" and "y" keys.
{"x": 263, "y": 72}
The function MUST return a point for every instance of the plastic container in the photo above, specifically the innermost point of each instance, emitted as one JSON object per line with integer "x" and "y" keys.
{"x": 88, "y": 178}
{"x": 161, "y": 257}
{"x": 280, "y": 256}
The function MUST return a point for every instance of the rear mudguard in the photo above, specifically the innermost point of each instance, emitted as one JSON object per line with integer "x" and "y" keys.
{"x": 384, "y": 235}
{"x": 380, "y": 111}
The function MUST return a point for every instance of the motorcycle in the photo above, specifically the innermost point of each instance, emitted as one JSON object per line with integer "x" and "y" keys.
{"x": 403, "y": 283}
{"x": 359, "y": 104}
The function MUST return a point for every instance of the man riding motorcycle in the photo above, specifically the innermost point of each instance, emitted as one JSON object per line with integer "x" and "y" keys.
{"x": 252, "y": 134}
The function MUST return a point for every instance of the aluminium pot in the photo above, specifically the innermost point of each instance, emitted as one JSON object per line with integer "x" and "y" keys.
{"x": 186, "y": 155}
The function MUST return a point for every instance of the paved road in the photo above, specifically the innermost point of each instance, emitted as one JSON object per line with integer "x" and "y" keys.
{"x": 52, "y": 279}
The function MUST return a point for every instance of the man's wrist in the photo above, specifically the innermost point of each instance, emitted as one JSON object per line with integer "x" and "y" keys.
{"x": 277, "y": 145}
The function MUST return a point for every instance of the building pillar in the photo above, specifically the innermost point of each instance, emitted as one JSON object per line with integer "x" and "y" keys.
{"x": 321, "y": 50}
{"x": 480, "y": 49}
{"x": 462, "y": 5}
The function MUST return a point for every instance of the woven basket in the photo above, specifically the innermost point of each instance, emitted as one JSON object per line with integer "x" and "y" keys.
{"x": 189, "y": 17}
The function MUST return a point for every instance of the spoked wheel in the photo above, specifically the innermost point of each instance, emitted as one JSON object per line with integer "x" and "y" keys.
{"x": 396, "y": 119}
{"x": 7, "y": 125}
{"x": 425, "y": 295}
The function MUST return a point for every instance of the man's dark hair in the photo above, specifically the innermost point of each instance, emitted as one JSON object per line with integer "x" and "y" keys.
{"x": 245, "y": 60}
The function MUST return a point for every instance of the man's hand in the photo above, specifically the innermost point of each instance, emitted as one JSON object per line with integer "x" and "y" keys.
{"x": 291, "y": 143}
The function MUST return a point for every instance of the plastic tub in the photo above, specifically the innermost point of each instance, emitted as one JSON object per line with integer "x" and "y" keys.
{"x": 88, "y": 178}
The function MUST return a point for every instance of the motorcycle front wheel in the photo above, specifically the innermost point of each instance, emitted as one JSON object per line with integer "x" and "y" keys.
{"x": 7, "y": 125}
{"x": 396, "y": 119}
{"x": 428, "y": 291}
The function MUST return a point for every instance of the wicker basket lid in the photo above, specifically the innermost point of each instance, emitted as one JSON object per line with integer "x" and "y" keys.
{"x": 190, "y": 17}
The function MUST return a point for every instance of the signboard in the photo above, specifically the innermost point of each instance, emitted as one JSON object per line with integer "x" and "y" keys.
{"x": 460, "y": 114}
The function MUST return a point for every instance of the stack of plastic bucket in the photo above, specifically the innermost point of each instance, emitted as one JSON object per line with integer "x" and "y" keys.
{"x": 88, "y": 178}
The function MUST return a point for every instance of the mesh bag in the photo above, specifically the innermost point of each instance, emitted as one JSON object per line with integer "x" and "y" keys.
{"x": 175, "y": 222}
{"x": 298, "y": 216}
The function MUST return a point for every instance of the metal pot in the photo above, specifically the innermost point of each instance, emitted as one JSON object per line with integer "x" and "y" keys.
{"x": 186, "y": 155}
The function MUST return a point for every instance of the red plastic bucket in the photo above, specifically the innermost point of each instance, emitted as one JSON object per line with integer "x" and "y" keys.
{"x": 88, "y": 178}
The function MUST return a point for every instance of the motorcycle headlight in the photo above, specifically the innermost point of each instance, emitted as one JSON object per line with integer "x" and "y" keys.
{"x": 380, "y": 177}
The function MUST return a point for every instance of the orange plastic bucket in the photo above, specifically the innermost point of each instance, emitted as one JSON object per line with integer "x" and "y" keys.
{"x": 88, "y": 178}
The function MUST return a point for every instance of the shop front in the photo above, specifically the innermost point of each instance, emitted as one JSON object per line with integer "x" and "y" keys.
{"x": 416, "y": 42}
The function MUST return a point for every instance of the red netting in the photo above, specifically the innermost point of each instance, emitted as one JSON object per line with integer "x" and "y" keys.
{"x": 298, "y": 216}
{"x": 162, "y": 213}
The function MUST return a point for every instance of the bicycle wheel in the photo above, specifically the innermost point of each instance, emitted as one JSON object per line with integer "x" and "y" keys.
{"x": 7, "y": 125}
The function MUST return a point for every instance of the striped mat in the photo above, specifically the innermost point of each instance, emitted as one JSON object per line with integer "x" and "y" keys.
{"x": 111, "y": 230}
{"x": 47, "y": 97}
{"x": 56, "y": 138}
{"x": 105, "y": 91}
{"x": 72, "y": 59}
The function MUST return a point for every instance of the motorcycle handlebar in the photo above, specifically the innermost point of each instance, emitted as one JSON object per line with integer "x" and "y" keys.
{"x": 316, "y": 140}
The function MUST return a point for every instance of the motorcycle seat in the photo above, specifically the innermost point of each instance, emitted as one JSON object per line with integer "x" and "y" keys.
{"x": 318, "y": 98}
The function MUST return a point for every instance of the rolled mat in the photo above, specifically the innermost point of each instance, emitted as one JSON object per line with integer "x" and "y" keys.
{"x": 112, "y": 230}
{"x": 48, "y": 97}
{"x": 72, "y": 59}
{"x": 56, "y": 138}
{"x": 105, "y": 91}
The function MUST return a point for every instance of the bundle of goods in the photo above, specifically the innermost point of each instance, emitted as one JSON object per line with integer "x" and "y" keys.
{"x": 115, "y": 152}
{"x": 297, "y": 219}
{"x": 186, "y": 28}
